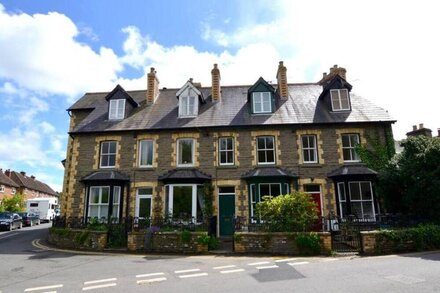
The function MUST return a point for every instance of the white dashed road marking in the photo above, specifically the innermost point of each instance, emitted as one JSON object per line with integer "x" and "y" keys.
{"x": 193, "y": 275}
{"x": 150, "y": 275}
{"x": 43, "y": 288}
{"x": 99, "y": 286}
{"x": 232, "y": 271}
{"x": 148, "y": 281}
{"x": 186, "y": 271}
{"x": 224, "y": 267}
{"x": 298, "y": 263}
{"x": 258, "y": 263}
{"x": 268, "y": 267}
{"x": 100, "y": 281}
{"x": 285, "y": 259}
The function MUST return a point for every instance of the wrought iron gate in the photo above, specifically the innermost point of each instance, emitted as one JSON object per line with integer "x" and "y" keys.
{"x": 346, "y": 236}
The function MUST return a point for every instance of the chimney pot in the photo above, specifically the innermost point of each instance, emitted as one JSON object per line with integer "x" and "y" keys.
{"x": 215, "y": 84}
{"x": 414, "y": 127}
{"x": 421, "y": 126}
{"x": 438, "y": 132}
{"x": 191, "y": 80}
{"x": 23, "y": 173}
{"x": 33, "y": 177}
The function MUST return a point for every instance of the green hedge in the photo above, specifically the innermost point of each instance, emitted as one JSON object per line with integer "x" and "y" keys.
{"x": 422, "y": 237}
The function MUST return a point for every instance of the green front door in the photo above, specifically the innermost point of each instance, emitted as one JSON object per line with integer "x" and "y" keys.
{"x": 226, "y": 214}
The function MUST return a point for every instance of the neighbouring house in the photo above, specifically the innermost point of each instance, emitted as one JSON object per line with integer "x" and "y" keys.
{"x": 148, "y": 153}
{"x": 29, "y": 186}
{"x": 7, "y": 186}
{"x": 421, "y": 130}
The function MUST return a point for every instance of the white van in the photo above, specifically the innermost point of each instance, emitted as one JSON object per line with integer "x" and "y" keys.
{"x": 44, "y": 207}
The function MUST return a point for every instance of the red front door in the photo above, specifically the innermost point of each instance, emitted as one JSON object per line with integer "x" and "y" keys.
{"x": 317, "y": 199}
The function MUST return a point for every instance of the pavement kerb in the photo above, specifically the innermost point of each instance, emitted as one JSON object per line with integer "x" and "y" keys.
{"x": 42, "y": 244}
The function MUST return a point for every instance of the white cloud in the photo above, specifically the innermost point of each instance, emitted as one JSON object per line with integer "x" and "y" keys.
{"x": 39, "y": 52}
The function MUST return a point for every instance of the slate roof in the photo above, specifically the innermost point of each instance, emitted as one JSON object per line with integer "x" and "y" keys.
{"x": 180, "y": 175}
{"x": 268, "y": 172}
{"x": 351, "y": 170}
{"x": 31, "y": 184}
{"x": 105, "y": 176}
{"x": 5, "y": 180}
{"x": 302, "y": 107}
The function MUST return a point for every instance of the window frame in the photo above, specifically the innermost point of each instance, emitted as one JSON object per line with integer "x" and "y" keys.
{"x": 178, "y": 156}
{"x": 13, "y": 190}
{"x": 143, "y": 196}
{"x": 140, "y": 153}
{"x": 309, "y": 149}
{"x": 254, "y": 187}
{"x": 116, "y": 104}
{"x": 266, "y": 150}
{"x": 184, "y": 106}
{"x": 2, "y": 188}
{"x": 220, "y": 151}
{"x": 361, "y": 200}
{"x": 99, "y": 204}
{"x": 338, "y": 99}
{"x": 354, "y": 156}
{"x": 108, "y": 154}
{"x": 169, "y": 198}
{"x": 260, "y": 99}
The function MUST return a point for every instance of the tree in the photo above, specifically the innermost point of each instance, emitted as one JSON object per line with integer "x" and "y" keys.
{"x": 288, "y": 213}
{"x": 410, "y": 182}
{"x": 14, "y": 203}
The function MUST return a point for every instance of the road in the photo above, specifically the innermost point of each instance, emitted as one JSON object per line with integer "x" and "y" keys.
{"x": 26, "y": 265}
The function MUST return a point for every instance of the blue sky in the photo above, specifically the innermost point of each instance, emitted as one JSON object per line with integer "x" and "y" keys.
{"x": 52, "y": 52}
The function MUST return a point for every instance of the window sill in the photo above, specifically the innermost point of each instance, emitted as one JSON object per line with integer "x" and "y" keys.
{"x": 312, "y": 165}
{"x": 227, "y": 167}
{"x": 144, "y": 168}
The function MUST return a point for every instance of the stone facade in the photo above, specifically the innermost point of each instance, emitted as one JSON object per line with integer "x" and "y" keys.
{"x": 84, "y": 156}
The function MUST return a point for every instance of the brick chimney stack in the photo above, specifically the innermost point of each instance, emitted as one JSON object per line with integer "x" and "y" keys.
{"x": 152, "y": 87}
{"x": 8, "y": 173}
{"x": 216, "y": 90}
{"x": 283, "y": 89}
{"x": 422, "y": 130}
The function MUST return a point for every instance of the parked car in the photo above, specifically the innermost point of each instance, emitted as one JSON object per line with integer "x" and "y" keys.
{"x": 9, "y": 221}
{"x": 29, "y": 219}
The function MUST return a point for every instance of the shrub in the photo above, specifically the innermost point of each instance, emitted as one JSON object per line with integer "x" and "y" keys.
{"x": 14, "y": 203}
{"x": 308, "y": 243}
{"x": 288, "y": 213}
{"x": 422, "y": 237}
{"x": 185, "y": 236}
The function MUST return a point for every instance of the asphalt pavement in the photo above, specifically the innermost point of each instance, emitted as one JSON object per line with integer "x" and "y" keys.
{"x": 28, "y": 265}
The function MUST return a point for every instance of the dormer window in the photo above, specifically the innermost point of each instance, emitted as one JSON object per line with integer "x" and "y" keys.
{"x": 116, "y": 109}
{"x": 340, "y": 100}
{"x": 262, "y": 102}
{"x": 188, "y": 106}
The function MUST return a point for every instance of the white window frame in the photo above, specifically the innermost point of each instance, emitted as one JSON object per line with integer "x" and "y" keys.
{"x": 309, "y": 149}
{"x": 99, "y": 204}
{"x": 257, "y": 199}
{"x": 143, "y": 196}
{"x": 354, "y": 157}
{"x": 178, "y": 157}
{"x": 141, "y": 150}
{"x": 116, "y": 195}
{"x": 260, "y": 98}
{"x": 193, "y": 199}
{"x": 184, "y": 106}
{"x": 2, "y": 188}
{"x": 109, "y": 154}
{"x": 342, "y": 184}
{"x": 361, "y": 200}
{"x": 335, "y": 96}
{"x": 265, "y": 149}
{"x": 220, "y": 151}
{"x": 116, "y": 109}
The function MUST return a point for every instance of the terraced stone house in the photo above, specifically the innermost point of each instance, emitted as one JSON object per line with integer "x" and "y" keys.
{"x": 148, "y": 152}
